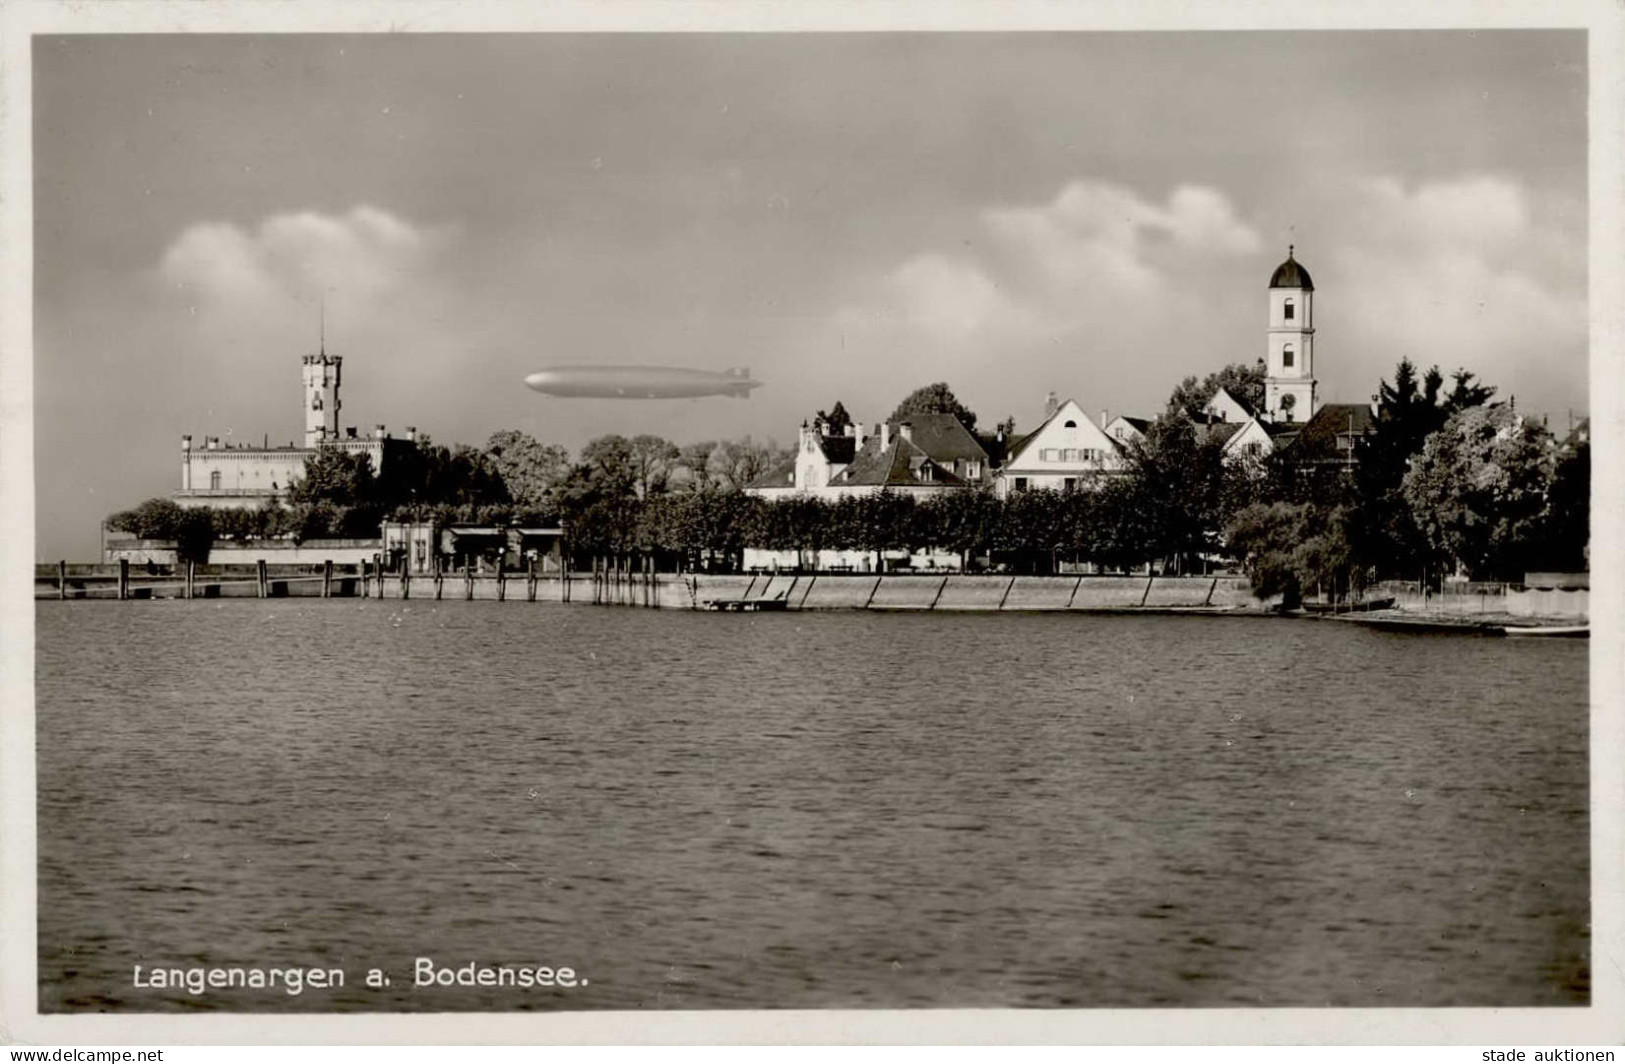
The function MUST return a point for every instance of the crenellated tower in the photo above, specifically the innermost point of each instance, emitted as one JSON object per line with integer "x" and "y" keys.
{"x": 321, "y": 377}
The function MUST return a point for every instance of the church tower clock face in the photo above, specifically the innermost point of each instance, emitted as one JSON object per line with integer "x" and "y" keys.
{"x": 1289, "y": 381}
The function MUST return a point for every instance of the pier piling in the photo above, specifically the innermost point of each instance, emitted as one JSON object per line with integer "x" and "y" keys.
{"x": 191, "y": 579}
{"x": 259, "y": 572}
{"x": 62, "y": 579}
{"x": 327, "y": 580}
{"x": 123, "y": 579}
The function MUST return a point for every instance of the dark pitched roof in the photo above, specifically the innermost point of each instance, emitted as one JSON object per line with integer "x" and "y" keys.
{"x": 1291, "y": 275}
{"x": 899, "y": 464}
{"x": 782, "y": 475}
{"x": 1318, "y": 437}
{"x": 1141, "y": 424}
{"x": 1219, "y": 431}
{"x": 944, "y": 438}
{"x": 838, "y": 448}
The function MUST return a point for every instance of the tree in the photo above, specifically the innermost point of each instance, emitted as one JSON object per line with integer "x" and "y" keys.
{"x": 152, "y": 519}
{"x": 1244, "y": 382}
{"x": 1567, "y": 533}
{"x": 1178, "y": 484}
{"x": 836, "y": 421}
{"x": 1288, "y": 548}
{"x": 935, "y": 398}
{"x": 531, "y": 471}
{"x": 653, "y": 460}
{"x": 1409, "y": 410}
{"x": 738, "y": 462}
{"x": 1477, "y": 490}
{"x": 194, "y": 536}
{"x": 695, "y": 461}
{"x": 608, "y": 465}
{"x": 340, "y": 477}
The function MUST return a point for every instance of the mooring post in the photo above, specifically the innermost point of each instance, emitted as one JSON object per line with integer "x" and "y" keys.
{"x": 191, "y": 577}
{"x": 530, "y": 578}
{"x": 62, "y": 579}
{"x": 468, "y": 581}
{"x": 327, "y": 578}
{"x": 406, "y": 579}
{"x": 502, "y": 579}
{"x": 123, "y": 578}
{"x": 259, "y": 571}
{"x": 439, "y": 577}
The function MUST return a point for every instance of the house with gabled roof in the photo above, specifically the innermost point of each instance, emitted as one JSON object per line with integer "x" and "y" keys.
{"x": 1329, "y": 438}
{"x": 1067, "y": 452}
{"x": 1224, "y": 406}
{"x": 922, "y": 454}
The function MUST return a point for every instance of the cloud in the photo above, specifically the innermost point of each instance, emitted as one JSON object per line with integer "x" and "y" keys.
{"x": 1046, "y": 295}
{"x": 1475, "y": 272}
{"x": 367, "y": 254}
{"x": 1113, "y": 297}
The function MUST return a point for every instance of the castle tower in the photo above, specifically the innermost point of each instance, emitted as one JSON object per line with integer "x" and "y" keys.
{"x": 1289, "y": 380}
{"x": 321, "y": 375}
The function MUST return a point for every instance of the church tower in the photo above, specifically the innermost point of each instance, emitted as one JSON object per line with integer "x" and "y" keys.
{"x": 321, "y": 374}
{"x": 1289, "y": 381}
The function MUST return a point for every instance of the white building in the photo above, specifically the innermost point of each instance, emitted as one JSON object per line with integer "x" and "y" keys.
{"x": 1289, "y": 373}
{"x": 1067, "y": 452}
{"x": 231, "y": 475}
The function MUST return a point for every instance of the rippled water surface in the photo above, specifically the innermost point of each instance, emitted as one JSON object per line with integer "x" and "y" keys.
{"x": 846, "y": 809}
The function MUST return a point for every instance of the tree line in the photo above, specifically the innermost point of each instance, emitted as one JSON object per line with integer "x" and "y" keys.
{"x": 1447, "y": 481}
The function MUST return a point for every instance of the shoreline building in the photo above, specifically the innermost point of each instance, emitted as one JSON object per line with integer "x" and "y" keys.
{"x": 244, "y": 476}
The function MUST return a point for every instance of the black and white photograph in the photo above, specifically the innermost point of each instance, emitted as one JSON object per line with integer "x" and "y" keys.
{"x": 615, "y": 517}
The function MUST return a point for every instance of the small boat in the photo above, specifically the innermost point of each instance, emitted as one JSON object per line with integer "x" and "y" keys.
{"x": 1363, "y": 606}
{"x": 747, "y": 605}
{"x": 1567, "y": 631}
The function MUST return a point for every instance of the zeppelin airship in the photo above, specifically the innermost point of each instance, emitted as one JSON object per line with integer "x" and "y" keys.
{"x": 640, "y": 382}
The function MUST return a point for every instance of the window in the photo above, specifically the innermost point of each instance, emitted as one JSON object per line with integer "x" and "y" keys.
{"x": 1021, "y": 483}
{"x": 1286, "y": 357}
{"x": 214, "y": 480}
{"x": 1071, "y": 424}
{"x": 1291, "y": 311}
{"x": 1048, "y": 454}
{"x": 1071, "y": 484}
{"x": 973, "y": 470}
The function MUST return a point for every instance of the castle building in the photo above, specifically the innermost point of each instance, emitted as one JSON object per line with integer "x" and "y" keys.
{"x": 1289, "y": 381}
{"x": 229, "y": 475}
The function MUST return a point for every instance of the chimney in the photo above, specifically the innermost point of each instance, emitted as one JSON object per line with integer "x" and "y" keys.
{"x": 905, "y": 430}
{"x": 1051, "y": 404}
{"x": 411, "y": 434}
{"x": 349, "y": 432}
{"x": 186, "y": 443}
{"x": 885, "y": 435}
{"x": 211, "y": 443}
{"x": 1104, "y": 421}
{"x": 378, "y": 432}
{"x": 852, "y": 428}
{"x": 858, "y": 434}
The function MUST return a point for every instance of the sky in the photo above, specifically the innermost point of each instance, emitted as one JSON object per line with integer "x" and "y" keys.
{"x": 849, "y": 216}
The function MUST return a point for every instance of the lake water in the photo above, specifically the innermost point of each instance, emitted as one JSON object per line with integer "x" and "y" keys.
{"x": 805, "y": 810}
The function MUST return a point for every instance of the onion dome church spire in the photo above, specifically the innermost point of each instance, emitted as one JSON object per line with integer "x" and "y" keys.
{"x": 1289, "y": 374}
